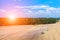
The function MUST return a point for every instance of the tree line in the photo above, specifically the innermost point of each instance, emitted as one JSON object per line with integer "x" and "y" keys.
{"x": 28, "y": 21}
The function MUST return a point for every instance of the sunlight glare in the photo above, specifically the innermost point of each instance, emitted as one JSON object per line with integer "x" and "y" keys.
{"x": 12, "y": 17}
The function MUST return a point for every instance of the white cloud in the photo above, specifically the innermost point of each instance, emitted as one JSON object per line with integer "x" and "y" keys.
{"x": 29, "y": 11}
{"x": 41, "y": 9}
{"x": 33, "y": 7}
{"x": 36, "y": 11}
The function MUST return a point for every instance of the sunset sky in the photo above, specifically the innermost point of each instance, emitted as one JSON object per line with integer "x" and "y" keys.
{"x": 30, "y": 8}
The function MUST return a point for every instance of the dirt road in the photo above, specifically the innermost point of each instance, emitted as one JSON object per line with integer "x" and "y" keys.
{"x": 30, "y": 32}
{"x": 53, "y": 32}
{"x": 23, "y": 32}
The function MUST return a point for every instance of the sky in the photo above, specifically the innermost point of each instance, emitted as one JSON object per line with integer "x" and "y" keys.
{"x": 30, "y": 8}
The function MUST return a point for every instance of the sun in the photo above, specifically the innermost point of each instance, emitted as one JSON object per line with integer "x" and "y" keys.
{"x": 12, "y": 17}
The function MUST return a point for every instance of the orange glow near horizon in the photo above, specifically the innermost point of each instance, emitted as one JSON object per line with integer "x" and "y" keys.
{"x": 11, "y": 16}
{"x": 12, "y": 19}
{"x": 15, "y": 21}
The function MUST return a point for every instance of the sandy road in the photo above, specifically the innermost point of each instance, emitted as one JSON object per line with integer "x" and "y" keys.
{"x": 53, "y": 32}
{"x": 24, "y": 32}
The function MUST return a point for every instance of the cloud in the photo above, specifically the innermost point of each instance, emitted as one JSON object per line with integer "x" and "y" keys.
{"x": 35, "y": 11}
{"x": 32, "y": 7}
{"x": 41, "y": 10}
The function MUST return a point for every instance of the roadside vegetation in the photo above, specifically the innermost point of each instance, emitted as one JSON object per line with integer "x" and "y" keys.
{"x": 33, "y": 21}
{"x": 28, "y": 21}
